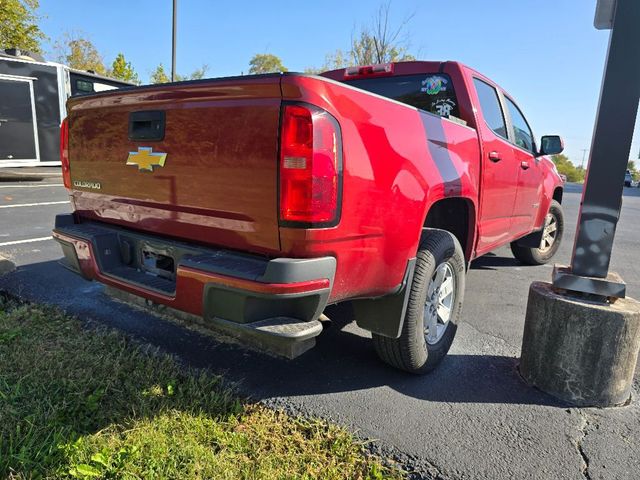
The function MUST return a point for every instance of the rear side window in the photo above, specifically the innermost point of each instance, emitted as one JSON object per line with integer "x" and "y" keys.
{"x": 521, "y": 130}
{"x": 490, "y": 105}
{"x": 433, "y": 93}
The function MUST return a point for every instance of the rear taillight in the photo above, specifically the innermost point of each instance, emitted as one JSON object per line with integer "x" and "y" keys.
{"x": 310, "y": 167}
{"x": 64, "y": 153}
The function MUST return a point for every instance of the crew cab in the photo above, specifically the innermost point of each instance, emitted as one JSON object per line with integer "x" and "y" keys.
{"x": 252, "y": 203}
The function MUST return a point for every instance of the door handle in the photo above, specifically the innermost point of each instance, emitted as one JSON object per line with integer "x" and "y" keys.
{"x": 494, "y": 157}
{"x": 524, "y": 165}
{"x": 147, "y": 125}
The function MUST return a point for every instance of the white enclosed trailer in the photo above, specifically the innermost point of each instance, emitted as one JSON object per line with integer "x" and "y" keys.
{"x": 33, "y": 95}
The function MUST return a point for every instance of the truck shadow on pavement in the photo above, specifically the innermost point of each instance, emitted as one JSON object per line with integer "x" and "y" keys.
{"x": 491, "y": 261}
{"x": 342, "y": 361}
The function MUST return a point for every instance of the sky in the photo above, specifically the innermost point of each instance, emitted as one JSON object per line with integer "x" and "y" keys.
{"x": 545, "y": 53}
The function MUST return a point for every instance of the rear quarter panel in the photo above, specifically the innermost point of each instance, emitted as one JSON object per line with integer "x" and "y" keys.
{"x": 397, "y": 162}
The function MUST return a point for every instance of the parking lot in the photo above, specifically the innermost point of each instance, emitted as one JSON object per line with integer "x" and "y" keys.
{"x": 472, "y": 418}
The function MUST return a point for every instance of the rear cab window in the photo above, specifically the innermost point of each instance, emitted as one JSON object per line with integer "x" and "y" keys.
{"x": 431, "y": 92}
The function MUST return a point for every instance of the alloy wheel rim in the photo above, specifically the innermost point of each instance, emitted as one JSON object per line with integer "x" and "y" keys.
{"x": 439, "y": 304}
{"x": 549, "y": 233}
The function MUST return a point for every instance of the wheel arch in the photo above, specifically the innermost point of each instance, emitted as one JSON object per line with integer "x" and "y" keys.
{"x": 456, "y": 215}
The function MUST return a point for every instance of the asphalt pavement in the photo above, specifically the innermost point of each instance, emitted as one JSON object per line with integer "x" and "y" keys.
{"x": 472, "y": 418}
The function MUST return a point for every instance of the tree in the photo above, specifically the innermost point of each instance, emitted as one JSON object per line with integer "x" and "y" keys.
{"x": 197, "y": 74}
{"x": 332, "y": 61}
{"x": 159, "y": 75}
{"x": 80, "y": 53}
{"x": 377, "y": 42}
{"x": 123, "y": 70}
{"x": 565, "y": 167}
{"x": 18, "y": 25}
{"x": 266, "y": 63}
{"x": 380, "y": 42}
{"x": 632, "y": 167}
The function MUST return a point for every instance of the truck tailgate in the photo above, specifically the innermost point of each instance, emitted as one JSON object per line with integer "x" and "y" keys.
{"x": 217, "y": 183}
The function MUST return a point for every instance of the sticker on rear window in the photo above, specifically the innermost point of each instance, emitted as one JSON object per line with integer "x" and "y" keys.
{"x": 434, "y": 84}
{"x": 443, "y": 107}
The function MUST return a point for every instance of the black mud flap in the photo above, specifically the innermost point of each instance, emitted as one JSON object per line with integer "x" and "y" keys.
{"x": 385, "y": 315}
{"x": 532, "y": 240}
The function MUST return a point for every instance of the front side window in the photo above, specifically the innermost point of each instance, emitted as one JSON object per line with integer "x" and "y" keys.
{"x": 490, "y": 105}
{"x": 523, "y": 136}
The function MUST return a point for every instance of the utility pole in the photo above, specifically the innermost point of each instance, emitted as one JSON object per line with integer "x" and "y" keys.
{"x": 584, "y": 152}
{"x": 582, "y": 335}
{"x": 608, "y": 158}
{"x": 173, "y": 40}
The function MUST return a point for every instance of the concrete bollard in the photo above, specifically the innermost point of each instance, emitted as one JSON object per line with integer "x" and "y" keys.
{"x": 581, "y": 352}
{"x": 6, "y": 266}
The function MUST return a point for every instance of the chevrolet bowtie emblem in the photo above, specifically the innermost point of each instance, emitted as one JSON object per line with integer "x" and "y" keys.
{"x": 145, "y": 159}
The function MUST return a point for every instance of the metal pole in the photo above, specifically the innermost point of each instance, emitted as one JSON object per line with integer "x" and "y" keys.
{"x": 610, "y": 147}
{"x": 173, "y": 40}
{"x": 584, "y": 152}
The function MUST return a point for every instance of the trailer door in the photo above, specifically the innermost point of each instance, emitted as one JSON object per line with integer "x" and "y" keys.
{"x": 18, "y": 132}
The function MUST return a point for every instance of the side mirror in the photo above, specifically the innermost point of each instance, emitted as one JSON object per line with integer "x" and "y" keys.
{"x": 551, "y": 145}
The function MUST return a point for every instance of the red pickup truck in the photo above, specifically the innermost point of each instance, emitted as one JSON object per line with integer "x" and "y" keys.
{"x": 254, "y": 202}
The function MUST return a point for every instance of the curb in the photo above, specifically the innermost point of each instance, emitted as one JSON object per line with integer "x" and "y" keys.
{"x": 28, "y": 175}
{"x": 20, "y": 178}
{"x": 6, "y": 266}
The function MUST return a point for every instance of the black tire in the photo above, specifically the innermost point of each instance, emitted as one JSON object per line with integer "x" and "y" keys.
{"x": 540, "y": 256}
{"x": 411, "y": 351}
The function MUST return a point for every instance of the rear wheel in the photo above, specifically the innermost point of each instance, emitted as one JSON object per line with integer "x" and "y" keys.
{"x": 551, "y": 238}
{"x": 434, "y": 306}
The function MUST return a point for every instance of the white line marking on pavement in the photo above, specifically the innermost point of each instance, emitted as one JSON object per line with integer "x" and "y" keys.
{"x": 33, "y": 204}
{"x": 29, "y": 240}
{"x": 33, "y": 185}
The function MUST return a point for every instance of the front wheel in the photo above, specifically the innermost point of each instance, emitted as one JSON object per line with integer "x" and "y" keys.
{"x": 433, "y": 309}
{"x": 551, "y": 238}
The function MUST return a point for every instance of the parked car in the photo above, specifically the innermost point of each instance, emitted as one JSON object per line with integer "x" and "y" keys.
{"x": 254, "y": 202}
{"x": 628, "y": 179}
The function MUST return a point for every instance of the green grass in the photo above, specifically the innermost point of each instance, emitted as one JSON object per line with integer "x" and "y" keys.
{"x": 78, "y": 403}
